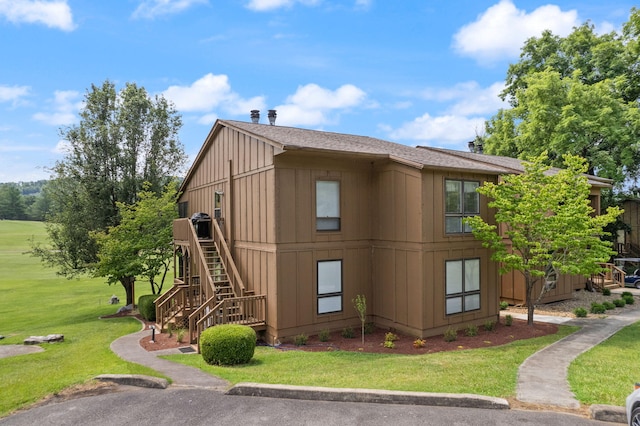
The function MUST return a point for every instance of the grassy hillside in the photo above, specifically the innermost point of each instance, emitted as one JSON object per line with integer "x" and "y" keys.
{"x": 35, "y": 301}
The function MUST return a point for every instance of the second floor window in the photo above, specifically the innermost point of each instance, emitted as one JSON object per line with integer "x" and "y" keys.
{"x": 461, "y": 200}
{"x": 327, "y": 205}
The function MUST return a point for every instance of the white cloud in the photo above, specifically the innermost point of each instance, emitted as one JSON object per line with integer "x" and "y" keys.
{"x": 13, "y": 93}
{"x": 363, "y": 4}
{"x": 265, "y": 5}
{"x": 468, "y": 98}
{"x": 208, "y": 119}
{"x": 210, "y": 92}
{"x": 65, "y": 108}
{"x": 502, "y": 29}
{"x": 447, "y": 129}
{"x": 62, "y": 147}
{"x": 54, "y": 14}
{"x": 313, "y": 105}
{"x": 13, "y": 147}
{"x": 150, "y": 9}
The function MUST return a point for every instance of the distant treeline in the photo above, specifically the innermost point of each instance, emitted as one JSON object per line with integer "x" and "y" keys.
{"x": 24, "y": 200}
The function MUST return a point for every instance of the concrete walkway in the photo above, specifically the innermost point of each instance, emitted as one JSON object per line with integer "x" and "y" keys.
{"x": 542, "y": 378}
{"x": 128, "y": 348}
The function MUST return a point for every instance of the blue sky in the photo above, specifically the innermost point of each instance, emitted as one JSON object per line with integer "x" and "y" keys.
{"x": 417, "y": 72}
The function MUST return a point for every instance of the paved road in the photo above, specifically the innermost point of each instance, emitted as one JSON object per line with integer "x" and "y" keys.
{"x": 198, "y": 406}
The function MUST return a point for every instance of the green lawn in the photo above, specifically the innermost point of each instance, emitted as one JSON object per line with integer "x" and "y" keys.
{"x": 606, "y": 374}
{"x": 35, "y": 301}
{"x": 490, "y": 371}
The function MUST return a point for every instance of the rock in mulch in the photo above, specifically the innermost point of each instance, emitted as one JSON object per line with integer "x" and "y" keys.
{"x": 51, "y": 338}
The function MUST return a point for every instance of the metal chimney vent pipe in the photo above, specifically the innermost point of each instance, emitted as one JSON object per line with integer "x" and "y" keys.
{"x": 255, "y": 116}
{"x": 272, "y": 117}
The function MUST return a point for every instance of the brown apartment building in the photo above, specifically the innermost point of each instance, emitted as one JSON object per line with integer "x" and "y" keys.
{"x": 302, "y": 221}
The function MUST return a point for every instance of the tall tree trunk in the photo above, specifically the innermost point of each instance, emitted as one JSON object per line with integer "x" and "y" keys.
{"x": 127, "y": 283}
{"x": 529, "y": 283}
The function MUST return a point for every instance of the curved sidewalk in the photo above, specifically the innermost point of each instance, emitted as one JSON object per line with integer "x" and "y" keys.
{"x": 128, "y": 348}
{"x": 542, "y": 378}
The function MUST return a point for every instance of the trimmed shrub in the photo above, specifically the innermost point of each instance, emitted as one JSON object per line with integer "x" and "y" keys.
{"x": 608, "y": 305}
{"x": 606, "y": 292}
{"x": 490, "y": 325}
{"x": 390, "y": 337}
{"x": 300, "y": 340}
{"x": 348, "y": 333}
{"x": 508, "y": 320}
{"x": 629, "y": 300}
{"x": 627, "y": 293}
{"x": 369, "y": 328}
{"x": 324, "y": 335}
{"x": 228, "y": 344}
{"x": 472, "y": 330}
{"x": 147, "y": 307}
{"x": 419, "y": 343}
{"x": 597, "y": 308}
{"x": 180, "y": 334}
{"x": 450, "y": 334}
{"x": 620, "y": 303}
{"x": 580, "y": 312}
{"x": 503, "y": 305}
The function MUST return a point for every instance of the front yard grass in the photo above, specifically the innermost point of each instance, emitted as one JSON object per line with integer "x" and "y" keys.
{"x": 34, "y": 301}
{"x": 606, "y": 374}
{"x": 490, "y": 371}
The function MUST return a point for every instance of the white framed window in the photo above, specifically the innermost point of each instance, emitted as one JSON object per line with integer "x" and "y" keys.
{"x": 462, "y": 286}
{"x": 461, "y": 200}
{"x": 329, "y": 286}
{"x": 327, "y": 205}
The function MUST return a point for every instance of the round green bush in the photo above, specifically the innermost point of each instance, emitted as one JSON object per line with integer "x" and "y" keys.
{"x": 619, "y": 303}
{"x": 228, "y": 344}
{"x": 580, "y": 312}
{"x": 597, "y": 308}
{"x": 147, "y": 306}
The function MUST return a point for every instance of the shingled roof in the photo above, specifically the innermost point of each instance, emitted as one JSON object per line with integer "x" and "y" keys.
{"x": 296, "y": 139}
{"x": 292, "y": 138}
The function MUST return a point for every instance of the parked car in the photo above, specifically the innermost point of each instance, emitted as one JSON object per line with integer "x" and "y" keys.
{"x": 632, "y": 280}
{"x": 633, "y": 407}
{"x": 631, "y": 265}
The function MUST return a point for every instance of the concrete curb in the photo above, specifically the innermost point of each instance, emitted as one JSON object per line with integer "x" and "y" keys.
{"x": 608, "y": 413}
{"x": 368, "y": 395}
{"x": 134, "y": 380}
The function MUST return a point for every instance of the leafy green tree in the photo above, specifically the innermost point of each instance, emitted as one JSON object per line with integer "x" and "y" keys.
{"x": 41, "y": 206}
{"x": 12, "y": 204}
{"x": 123, "y": 139}
{"x": 577, "y": 95}
{"x": 140, "y": 245}
{"x": 549, "y": 223}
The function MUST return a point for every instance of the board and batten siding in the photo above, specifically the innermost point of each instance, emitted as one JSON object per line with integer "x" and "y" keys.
{"x": 300, "y": 246}
{"x": 241, "y": 167}
{"x": 409, "y": 255}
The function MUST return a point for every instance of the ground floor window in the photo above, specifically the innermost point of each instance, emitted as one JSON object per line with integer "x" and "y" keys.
{"x": 462, "y": 285}
{"x": 329, "y": 286}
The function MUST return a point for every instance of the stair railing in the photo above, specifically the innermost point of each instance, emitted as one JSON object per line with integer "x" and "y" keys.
{"x": 170, "y": 304}
{"x": 613, "y": 273}
{"x": 248, "y": 310}
{"x": 227, "y": 260}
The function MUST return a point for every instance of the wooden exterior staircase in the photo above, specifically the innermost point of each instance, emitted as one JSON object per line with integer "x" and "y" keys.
{"x": 611, "y": 277}
{"x": 207, "y": 290}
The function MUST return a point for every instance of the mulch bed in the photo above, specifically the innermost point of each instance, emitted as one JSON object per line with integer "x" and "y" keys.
{"x": 374, "y": 342}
